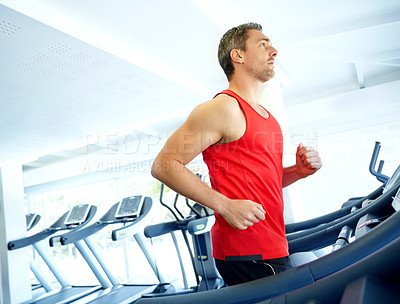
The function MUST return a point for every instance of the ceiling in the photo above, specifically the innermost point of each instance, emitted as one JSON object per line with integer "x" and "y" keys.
{"x": 74, "y": 74}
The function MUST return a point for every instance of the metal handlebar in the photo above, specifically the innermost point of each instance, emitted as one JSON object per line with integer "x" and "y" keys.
{"x": 378, "y": 174}
{"x": 165, "y": 205}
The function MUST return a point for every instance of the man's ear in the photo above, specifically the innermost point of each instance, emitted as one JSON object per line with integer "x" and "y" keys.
{"x": 236, "y": 56}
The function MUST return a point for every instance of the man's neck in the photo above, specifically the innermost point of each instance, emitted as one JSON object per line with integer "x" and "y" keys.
{"x": 247, "y": 89}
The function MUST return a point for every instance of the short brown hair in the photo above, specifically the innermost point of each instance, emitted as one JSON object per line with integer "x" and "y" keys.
{"x": 235, "y": 38}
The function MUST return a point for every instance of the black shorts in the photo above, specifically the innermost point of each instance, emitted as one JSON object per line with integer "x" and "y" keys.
{"x": 236, "y": 272}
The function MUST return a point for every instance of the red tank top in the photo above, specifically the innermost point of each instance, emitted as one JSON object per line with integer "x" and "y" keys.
{"x": 250, "y": 168}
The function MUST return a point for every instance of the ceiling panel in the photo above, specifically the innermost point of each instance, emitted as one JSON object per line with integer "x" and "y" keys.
{"x": 56, "y": 89}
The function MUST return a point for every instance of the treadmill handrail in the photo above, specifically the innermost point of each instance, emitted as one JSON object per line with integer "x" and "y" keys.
{"x": 371, "y": 206}
{"x": 166, "y": 227}
{"x": 201, "y": 225}
{"x": 363, "y": 268}
{"x": 328, "y": 233}
{"x": 76, "y": 229}
{"x": 26, "y": 241}
{"x": 346, "y": 208}
{"x": 378, "y": 174}
{"x": 138, "y": 224}
{"x": 23, "y": 242}
{"x": 85, "y": 232}
{"x": 294, "y": 227}
{"x": 79, "y": 234}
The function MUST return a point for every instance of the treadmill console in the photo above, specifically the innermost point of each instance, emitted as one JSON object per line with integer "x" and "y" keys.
{"x": 130, "y": 206}
{"x": 77, "y": 215}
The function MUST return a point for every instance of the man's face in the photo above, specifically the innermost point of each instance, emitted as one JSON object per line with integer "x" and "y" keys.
{"x": 259, "y": 56}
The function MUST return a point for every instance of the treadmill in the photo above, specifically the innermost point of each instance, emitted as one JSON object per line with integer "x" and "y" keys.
{"x": 198, "y": 224}
{"x": 43, "y": 285}
{"x": 76, "y": 218}
{"x": 352, "y": 208}
{"x": 132, "y": 214}
{"x": 371, "y": 254}
{"x": 324, "y": 234}
{"x": 373, "y": 279}
{"x": 352, "y": 202}
{"x": 309, "y": 244}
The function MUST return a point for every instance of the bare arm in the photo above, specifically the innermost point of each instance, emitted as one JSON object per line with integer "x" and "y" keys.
{"x": 307, "y": 163}
{"x": 205, "y": 126}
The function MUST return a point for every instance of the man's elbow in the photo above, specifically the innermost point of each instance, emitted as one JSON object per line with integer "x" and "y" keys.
{"x": 164, "y": 166}
{"x": 161, "y": 167}
{"x": 156, "y": 169}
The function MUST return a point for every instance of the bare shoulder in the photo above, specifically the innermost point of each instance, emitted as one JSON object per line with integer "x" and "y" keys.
{"x": 220, "y": 118}
{"x": 221, "y": 108}
{"x": 227, "y": 104}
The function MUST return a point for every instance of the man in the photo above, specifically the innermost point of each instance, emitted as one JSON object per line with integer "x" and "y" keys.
{"x": 241, "y": 144}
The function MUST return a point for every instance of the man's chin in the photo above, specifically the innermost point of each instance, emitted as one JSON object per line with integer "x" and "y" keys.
{"x": 269, "y": 76}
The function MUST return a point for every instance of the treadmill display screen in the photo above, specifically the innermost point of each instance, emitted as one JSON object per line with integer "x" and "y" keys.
{"x": 130, "y": 206}
{"x": 77, "y": 214}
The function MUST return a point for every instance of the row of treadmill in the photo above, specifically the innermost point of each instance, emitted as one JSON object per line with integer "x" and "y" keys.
{"x": 351, "y": 255}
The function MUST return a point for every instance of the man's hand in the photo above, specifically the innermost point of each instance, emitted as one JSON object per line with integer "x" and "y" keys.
{"x": 241, "y": 214}
{"x": 307, "y": 160}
